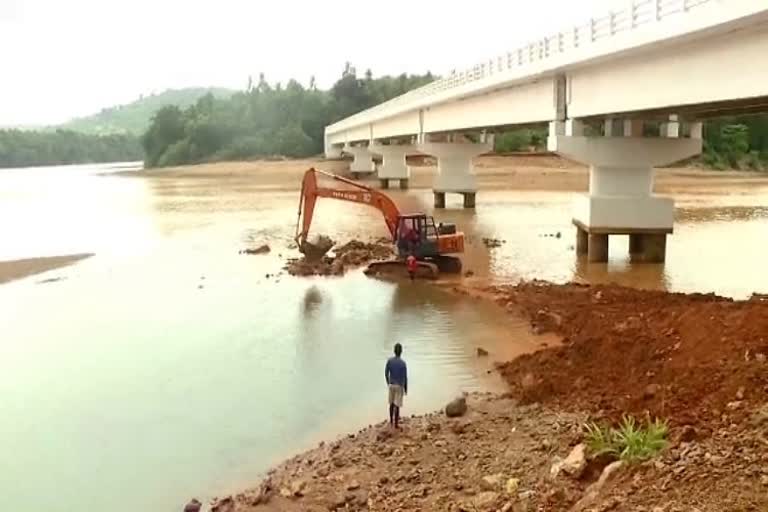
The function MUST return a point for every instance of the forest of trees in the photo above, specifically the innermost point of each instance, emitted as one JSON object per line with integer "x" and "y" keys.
{"x": 736, "y": 143}
{"x": 265, "y": 119}
{"x": 134, "y": 117}
{"x": 289, "y": 120}
{"x": 22, "y": 148}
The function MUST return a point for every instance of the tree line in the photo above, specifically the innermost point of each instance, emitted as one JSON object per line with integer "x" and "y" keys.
{"x": 265, "y": 119}
{"x": 735, "y": 142}
{"x": 22, "y": 148}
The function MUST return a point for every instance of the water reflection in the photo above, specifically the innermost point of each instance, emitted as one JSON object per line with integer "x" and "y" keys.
{"x": 312, "y": 300}
{"x": 650, "y": 276}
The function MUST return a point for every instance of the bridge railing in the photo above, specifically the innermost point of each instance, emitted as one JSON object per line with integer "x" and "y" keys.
{"x": 638, "y": 13}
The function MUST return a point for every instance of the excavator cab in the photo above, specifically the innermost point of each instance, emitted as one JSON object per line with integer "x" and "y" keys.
{"x": 417, "y": 234}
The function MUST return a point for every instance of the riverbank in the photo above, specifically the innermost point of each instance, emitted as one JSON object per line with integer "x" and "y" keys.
{"x": 18, "y": 269}
{"x": 696, "y": 361}
{"x": 514, "y": 172}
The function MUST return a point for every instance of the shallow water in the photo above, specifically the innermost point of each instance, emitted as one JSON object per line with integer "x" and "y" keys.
{"x": 168, "y": 365}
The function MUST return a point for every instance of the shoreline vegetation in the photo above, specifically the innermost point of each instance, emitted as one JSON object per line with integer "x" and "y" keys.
{"x": 654, "y": 401}
{"x": 24, "y": 148}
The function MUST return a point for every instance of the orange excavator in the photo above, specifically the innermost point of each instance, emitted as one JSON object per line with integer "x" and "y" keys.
{"x": 413, "y": 234}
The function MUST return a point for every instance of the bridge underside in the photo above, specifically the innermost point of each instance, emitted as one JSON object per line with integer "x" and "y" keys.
{"x": 598, "y": 105}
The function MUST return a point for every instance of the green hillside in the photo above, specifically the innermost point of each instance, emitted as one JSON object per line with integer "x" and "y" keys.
{"x": 134, "y": 118}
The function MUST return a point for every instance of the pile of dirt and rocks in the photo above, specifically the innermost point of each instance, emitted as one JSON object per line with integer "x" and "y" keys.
{"x": 493, "y": 243}
{"x": 689, "y": 358}
{"x": 354, "y": 253}
{"x": 494, "y": 457}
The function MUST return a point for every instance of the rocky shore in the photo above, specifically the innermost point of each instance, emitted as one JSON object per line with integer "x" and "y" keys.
{"x": 696, "y": 361}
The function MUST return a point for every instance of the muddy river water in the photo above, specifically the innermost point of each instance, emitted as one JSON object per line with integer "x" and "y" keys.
{"x": 168, "y": 365}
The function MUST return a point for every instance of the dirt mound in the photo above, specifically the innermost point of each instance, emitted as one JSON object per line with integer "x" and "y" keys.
{"x": 693, "y": 359}
{"x": 351, "y": 254}
{"x": 356, "y": 253}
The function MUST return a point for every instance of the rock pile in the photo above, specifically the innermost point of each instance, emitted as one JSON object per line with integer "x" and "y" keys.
{"x": 262, "y": 249}
{"x": 487, "y": 460}
{"x": 354, "y": 253}
{"x": 493, "y": 243}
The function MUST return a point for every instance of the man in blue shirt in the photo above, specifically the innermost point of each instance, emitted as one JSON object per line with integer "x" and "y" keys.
{"x": 396, "y": 374}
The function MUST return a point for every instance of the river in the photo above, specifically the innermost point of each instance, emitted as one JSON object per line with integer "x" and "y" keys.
{"x": 169, "y": 366}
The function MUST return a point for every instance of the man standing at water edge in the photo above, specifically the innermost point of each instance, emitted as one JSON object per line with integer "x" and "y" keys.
{"x": 396, "y": 374}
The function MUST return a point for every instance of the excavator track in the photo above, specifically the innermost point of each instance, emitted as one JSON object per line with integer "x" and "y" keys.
{"x": 447, "y": 264}
{"x": 397, "y": 269}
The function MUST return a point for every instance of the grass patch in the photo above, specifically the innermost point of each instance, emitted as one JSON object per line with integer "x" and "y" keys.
{"x": 629, "y": 441}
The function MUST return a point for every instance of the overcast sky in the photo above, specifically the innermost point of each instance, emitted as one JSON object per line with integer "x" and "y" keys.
{"x": 67, "y": 58}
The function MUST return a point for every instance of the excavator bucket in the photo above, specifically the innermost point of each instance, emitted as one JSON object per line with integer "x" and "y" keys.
{"x": 398, "y": 269}
{"x": 315, "y": 250}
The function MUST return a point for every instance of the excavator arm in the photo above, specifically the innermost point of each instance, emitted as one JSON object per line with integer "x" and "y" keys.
{"x": 310, "y": 191}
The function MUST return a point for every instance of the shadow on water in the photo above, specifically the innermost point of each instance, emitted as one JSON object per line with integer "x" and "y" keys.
{"x": 313, "y": 299}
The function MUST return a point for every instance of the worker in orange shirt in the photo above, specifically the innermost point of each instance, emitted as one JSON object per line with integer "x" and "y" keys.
{"x": 412, "y": 265}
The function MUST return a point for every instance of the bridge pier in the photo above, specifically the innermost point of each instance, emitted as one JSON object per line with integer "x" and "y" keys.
{"x": 455, "y": 171}
{"x": 362, "y": 162}
{"x": 621, "y": 199}
{"x": 332, "y": 151}
{"x": 393, "y": 165}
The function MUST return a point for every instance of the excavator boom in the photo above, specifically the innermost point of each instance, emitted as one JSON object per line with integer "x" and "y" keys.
{"x": 361, "y": 194}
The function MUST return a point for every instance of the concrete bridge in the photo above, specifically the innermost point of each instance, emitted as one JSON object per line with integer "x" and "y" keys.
{"x": 622, "y": 93}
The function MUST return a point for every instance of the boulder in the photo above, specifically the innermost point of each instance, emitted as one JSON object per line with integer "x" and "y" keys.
{"x": 298, "y": 487}
{"x": 687, "y": 434}
{"x": 226, "y": 504}
{"x": 528, "y": 381}
{"x": 486, "y": 500}
{"x": 573, "y": 465}
{"x": 593, "y": 491}
{"x": 481, "y": 352}
{"x": 650, "y": 391}
{"x": 513, "y": 484}
{"x": 262, "y": 249}
{"x": 193, "y": 506}
{"x": 456, "y": 407}
{"x": 760, "y": 417}
{"x": 491, "y": 482}
{"x": 338, "y": 502}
